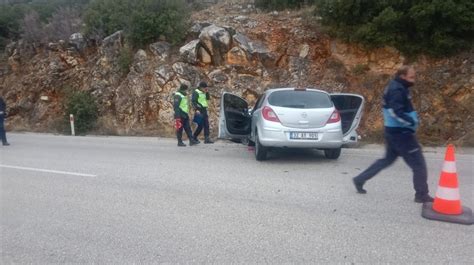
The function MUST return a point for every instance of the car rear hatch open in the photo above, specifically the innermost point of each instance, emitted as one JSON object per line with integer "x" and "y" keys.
{"x": 350, "y": 108}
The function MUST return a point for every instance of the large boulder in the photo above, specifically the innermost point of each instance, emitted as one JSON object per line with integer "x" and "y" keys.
{"x": 112, "y": 44}
{"x": 78, "y": 41}
{"x": 189, "y": 52}
{"x": 204, "y": 56}
{"x": 258, "y": 50}
{"x": 217, "y": 41}
{"x": 161, "y": 49}
{"x": 243, "y": 42}
{"x": 263, "y": 54}
{"x": 197, "y": 27}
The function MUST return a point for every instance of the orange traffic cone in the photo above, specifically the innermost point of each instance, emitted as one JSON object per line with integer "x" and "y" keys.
{"x": 447, "y": 204}
{"x": 448, "y": 200}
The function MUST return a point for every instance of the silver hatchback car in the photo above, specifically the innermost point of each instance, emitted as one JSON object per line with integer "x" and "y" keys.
{"x": 293, "y": 118}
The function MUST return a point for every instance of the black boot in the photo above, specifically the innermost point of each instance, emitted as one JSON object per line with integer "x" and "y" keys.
{"x": 6, "y": 144}
{"x": 197, "y": 140}
{"x": 208, "y": 141}
{"x": 193, "y": 142}
{"x": 359, "y": 186}
{"x": 423, "y": 198}
{"x": 181, "y": 144}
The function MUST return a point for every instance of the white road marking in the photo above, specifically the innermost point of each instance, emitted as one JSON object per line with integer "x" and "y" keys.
{"x": 49, "y": 171}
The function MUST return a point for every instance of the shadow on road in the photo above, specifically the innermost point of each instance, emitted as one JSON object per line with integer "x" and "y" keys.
{"x": 296, "y": 155}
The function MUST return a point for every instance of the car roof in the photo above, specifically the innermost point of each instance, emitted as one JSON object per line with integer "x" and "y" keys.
{"x": 269, "y": 91}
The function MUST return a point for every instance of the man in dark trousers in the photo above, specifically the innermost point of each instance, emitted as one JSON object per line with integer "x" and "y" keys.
{"x": 401, "y": 122}
{"x": 181, "y": 114}
{"x": 3, "y": 115}
{"x": 200, "y": 100}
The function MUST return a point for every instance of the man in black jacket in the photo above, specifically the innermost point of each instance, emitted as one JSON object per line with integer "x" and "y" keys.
{"x": 200, "y": 100}
{"x": 181, "y": 114}
{"x": 3, "y": 114}
{"x": 401, "y": 122}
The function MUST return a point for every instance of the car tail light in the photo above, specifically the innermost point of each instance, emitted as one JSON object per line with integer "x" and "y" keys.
{"x": 269, "y": 114}
{"x": 335, "y": 117}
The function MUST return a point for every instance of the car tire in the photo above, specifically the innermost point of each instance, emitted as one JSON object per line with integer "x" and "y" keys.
{"x": 260, "y": 150}
{"x": 332, "y": 153}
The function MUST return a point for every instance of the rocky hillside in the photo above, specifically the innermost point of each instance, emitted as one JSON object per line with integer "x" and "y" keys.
{"x": 236, "y": 49}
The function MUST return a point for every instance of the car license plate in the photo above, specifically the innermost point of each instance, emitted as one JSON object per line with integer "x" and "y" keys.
{"x": 303, "y": 135}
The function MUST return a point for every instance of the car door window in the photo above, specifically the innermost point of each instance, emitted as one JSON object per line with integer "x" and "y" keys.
{"x": 236, "y": 114}
{"x": 259, "y": 103}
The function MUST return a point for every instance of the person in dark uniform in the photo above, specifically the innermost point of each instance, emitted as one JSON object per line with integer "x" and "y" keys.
{"x": 401, "y": 122}
{"x": 3, "y": 115}
{"x": 181, "y": 115}
{"x": 200, "y": 103}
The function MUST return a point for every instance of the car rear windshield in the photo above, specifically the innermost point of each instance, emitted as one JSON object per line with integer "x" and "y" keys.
{"x": 300, "y": 99}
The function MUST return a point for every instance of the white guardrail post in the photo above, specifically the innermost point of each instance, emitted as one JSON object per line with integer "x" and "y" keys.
{"x": 71, "y": 119}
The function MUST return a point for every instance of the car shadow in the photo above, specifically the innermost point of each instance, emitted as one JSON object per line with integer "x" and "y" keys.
{"x": 296, "y": 155}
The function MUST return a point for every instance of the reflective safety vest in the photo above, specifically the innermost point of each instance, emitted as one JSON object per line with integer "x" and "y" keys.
{"x": 392, "y": 120}
{"x": 202, "y": 100}
{"x": 183, "y": 105}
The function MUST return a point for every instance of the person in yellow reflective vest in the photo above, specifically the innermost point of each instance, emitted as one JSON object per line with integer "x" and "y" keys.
{"x": 200, "y": 100}
{"x": 181, "y": 115}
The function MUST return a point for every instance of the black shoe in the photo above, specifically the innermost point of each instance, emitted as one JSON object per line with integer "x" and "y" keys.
{"x": 193, "y": 142}
{"x": 423, "y": 199}
{"x": 208, "y": 141}
{"x": 359, "y": 186}
{"x": 197, "y": 140}
{"x": 6, "y": 144}
{"x": 181, "y": 144}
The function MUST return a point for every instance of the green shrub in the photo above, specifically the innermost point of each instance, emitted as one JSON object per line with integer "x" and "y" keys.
{"x": 84, "y": 108}
{"x": 46, "y": 8}
{"x": 11, "y": 15}
{"x": 434, "y": 27}
{"x": 125, "y": 59}
{"x": 143, "y": 21}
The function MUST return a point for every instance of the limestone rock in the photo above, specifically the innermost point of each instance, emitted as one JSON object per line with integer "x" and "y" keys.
{"x": 237, "y": 56}
{"x": 161, "y": 49}
{"x": 78, "y": 41}
{"x": 217, "y": 41}
{"x": 189, "y": 52}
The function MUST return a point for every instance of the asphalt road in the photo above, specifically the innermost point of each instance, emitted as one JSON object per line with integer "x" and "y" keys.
{"x": 143, "y": 200}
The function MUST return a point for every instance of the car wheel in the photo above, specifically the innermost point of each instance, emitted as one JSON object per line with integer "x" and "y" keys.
{"x": 260, "y": 150}
{"x": 332, "y": 153}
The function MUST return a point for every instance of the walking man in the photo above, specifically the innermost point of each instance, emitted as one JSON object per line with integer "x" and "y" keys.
{"x": 401, "y": 122}
{"x": 3, "y": 115}
{"x": 200, "y": 100}
{"x": 181, "y": 115}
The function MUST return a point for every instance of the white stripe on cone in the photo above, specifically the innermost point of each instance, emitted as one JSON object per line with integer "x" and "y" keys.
{"x": 449, "y": 194}
{"x": 449, "y": 167}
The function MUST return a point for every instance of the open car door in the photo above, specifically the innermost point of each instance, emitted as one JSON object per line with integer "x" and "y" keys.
{"x": 350, "y": 108}
{"x": 234, "y": 118}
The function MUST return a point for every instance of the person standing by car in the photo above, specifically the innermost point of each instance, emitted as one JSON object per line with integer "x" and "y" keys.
{"x": 401, "y": 122}
{"x": 200, "y": 103}
{"x": 3, "y": 115}
{"x": 181, "y": 115}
